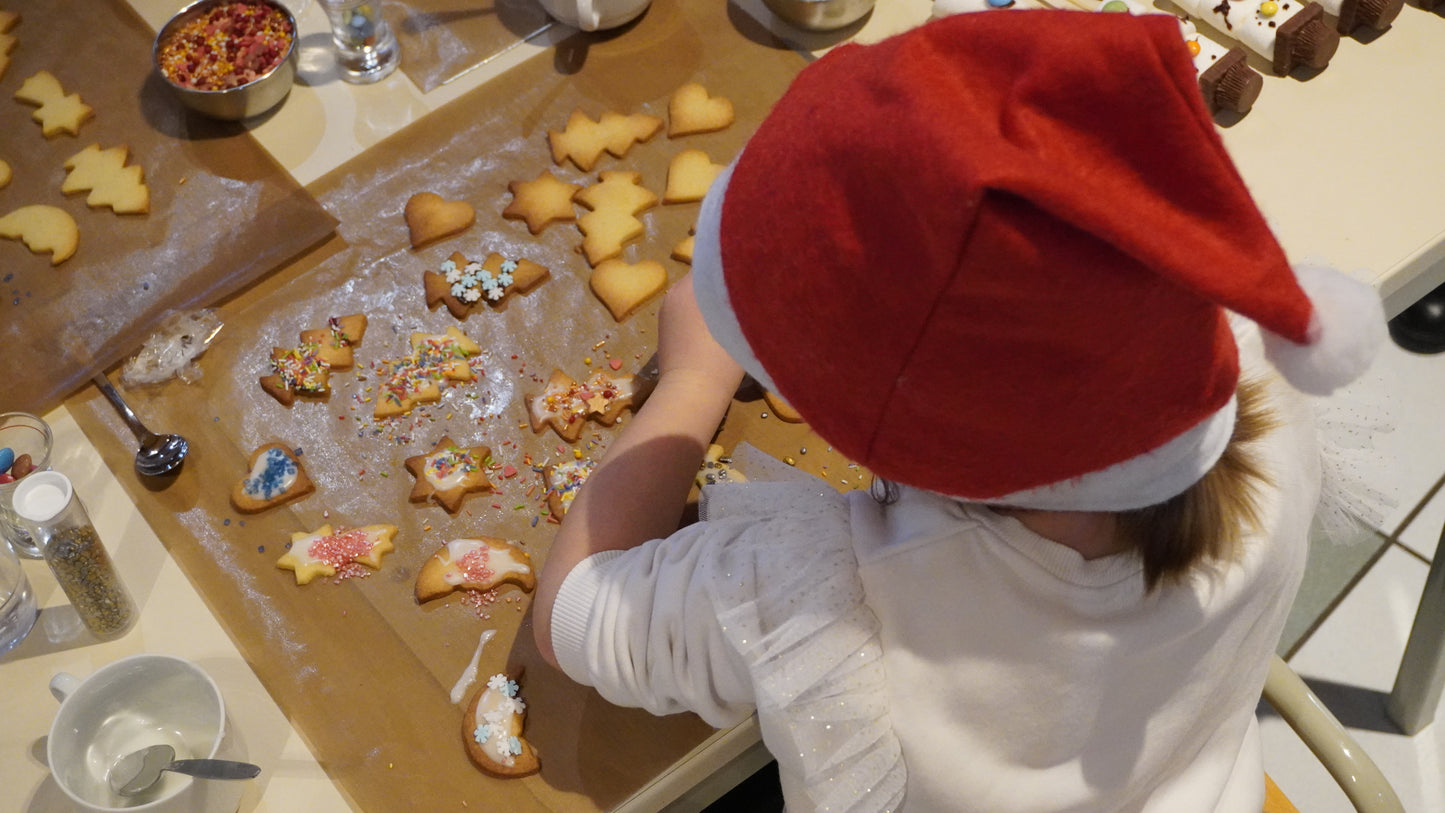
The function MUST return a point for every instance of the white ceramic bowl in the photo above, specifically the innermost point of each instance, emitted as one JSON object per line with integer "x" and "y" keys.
{"x": 240, "y": 102}
{"x": 127, "y": 705}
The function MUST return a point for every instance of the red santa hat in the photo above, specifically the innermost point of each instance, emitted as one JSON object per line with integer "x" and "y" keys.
{"x": 991, "y": 257}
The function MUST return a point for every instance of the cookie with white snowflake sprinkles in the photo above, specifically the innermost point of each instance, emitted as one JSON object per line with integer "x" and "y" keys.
{"x": 492, "y": 730}
{"x": 448, "y": 473}
{"x": 324, "y": 552}
{"x": 275, "y": 477}
{"x": 483, "y": 563}
{"x": 462, "y": 285}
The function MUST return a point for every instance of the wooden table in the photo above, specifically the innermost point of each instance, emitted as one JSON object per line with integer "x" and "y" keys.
{"x": 1344, "y": 164}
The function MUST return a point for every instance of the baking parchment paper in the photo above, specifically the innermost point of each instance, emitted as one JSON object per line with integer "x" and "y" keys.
{"x": 359, "y": 667}
{"x": 222, "y": 211}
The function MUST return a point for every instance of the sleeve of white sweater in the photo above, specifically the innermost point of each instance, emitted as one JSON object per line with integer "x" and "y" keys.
{"x": 640, "y": 627}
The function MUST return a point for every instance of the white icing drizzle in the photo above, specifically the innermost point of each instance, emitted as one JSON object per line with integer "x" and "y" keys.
{"x": 469, "y": 675}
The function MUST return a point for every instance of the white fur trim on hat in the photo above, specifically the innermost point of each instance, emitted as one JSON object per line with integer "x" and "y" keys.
{"x": 1148, "y": 479}
{"x": 1347, "y": 328}
{"x": 710, "y": 288}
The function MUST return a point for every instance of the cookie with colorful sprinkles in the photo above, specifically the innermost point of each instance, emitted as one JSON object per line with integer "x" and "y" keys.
{"x": 492, "y": 730}
{"x": 461, "y": 284}
{"x": 483, "y": 563}
{"x": 435, "y": 358}
{"x": 324, "y": 552}
{"x": 275, "y": 477}
{"x": 448, "y": 473}
{"x": 566, "y": 404}
{"x": 563, "y": 481}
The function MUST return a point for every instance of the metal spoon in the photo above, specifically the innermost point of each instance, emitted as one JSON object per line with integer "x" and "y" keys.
{"x": 137, "y": 771}
{"x": 158, "y": 454}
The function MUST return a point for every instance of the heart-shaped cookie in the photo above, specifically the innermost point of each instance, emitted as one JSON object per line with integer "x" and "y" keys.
{"x": 692, "y": 110}
{"x": 624, "y": 286}
{"x": 688, "y": 176}
{"x": 430, "y": 217}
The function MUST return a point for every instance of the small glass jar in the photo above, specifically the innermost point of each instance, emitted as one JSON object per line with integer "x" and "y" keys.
{"x": 50, "y": 509}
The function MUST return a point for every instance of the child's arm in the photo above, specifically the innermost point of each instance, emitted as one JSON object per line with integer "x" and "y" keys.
{"x": 639, "y": 490}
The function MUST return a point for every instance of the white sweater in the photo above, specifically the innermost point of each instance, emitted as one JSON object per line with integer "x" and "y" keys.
{"x": 932, "y": 655}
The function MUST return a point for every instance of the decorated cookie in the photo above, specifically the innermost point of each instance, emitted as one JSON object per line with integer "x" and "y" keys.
{"x": 435, "y": 358}
{"x": 474, "y": 564}
{"x": 306, "y": 368}
{"x": 567, "y": 405}
{"x": 583, "y": 140}
{"x": 56, "y": 112}
{"x": 323, "y": 552}
{"x": 492, "y": 730}
{"x": 431, "y": 217}
{"x": 296, "y": 370}
{"x": 717, "y": 468}
{"x": 563, "y": 481}
{"x": 624, "y": 287}
{"x": 448, "y": 473}
{"x": 462, "y": 285}
{"x": 104, "y": 174}
{"x": 335, "y": 342}
{"x": 275, "y": 477}
{"x": 692, "y": 110}
{"x": 43, "y": 228}
{"x": 541, "y": 201}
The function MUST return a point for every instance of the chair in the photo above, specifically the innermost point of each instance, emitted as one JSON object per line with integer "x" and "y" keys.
{"x": 1354, "y": 771}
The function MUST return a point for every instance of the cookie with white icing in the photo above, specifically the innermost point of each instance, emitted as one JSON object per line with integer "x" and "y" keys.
{"x": 275, "y": 477}
{"x": 324, "y": 552}
{"x": 474, "y": 564}
{"x": 492, "y": 731}
{"x": 563, "y": 481}
{"x": 448, "y": 473}
{"x": 567, "y": 405}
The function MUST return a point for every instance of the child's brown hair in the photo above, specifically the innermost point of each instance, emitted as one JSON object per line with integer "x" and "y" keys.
{"x": 1206, "y": 522}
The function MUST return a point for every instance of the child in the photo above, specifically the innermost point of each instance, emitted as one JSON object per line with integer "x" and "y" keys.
{"x": 989, "y": 259}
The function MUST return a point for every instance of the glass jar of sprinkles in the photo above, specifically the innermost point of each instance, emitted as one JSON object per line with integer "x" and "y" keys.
{"x": 50, "y": 509}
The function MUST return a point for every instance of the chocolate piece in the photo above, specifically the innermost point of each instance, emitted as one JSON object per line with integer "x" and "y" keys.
{"x": 1373, "y": 14}
{"x": 1304, "y": 39}
{"x": 1230, "y": 84}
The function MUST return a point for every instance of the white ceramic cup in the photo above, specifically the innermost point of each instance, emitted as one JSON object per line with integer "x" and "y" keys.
{"x": 595, "y": 15}
{"x": 127, "y": 705}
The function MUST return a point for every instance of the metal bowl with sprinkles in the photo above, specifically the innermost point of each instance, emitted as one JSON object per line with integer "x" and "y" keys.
{"x": 229, "y": 59}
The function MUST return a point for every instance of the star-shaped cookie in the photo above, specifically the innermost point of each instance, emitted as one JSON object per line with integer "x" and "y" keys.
{"x": 323, "y": 552}
{"x": 448, "y": 473}
{"x": 541, "y": 200}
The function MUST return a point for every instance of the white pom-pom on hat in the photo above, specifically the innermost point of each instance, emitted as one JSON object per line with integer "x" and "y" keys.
{"x": 1347, "y": 328}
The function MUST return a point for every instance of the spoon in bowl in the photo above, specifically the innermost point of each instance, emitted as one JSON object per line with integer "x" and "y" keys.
{"x": 137, "y": 771}
{"x": 158, "y": 454}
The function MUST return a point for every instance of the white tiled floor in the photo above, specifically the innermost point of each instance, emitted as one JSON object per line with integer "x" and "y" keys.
{"x": 1351, "y": 657}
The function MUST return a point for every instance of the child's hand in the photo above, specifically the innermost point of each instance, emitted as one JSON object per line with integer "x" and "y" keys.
{"x": 685, "y": 347}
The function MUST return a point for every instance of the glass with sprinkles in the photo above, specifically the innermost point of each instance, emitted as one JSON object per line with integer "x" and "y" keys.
{"x": 366, "y": 48}
{"x": 24, "y": 448}
{"x": 55, "y": 517}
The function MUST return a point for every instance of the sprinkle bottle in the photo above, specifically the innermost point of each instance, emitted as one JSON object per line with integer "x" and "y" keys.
{"x": 53, "y": 513}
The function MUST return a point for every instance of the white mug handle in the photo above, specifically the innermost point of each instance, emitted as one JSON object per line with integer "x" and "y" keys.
{"x": 587, "y": 16}
{"x": 62, "y": 685}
